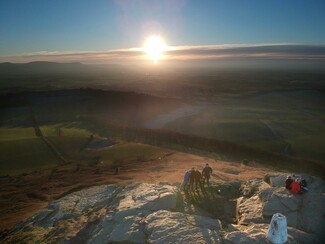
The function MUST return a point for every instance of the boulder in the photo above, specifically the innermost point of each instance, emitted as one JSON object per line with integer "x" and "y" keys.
{"x": 311, "y": 213}
{"x": 243, "y": 237}
{"x": 81, "y": 201}
{"x": 148, "y": 196}
{"x": 304, "y": 212}
{"x": 253, "y": 233}
{"x": 280, "y": 200}
{"x": 128, "y": 230}
{"x": 299, "y": 236}
{"x": 98, "y": 214}
{"x": 144, "y": 213}
{"x": 249, "y": 210}
{"x": 278, "y": 179}
{"x": 172, "y": 227}
{"x": 72, "y": 205}
{"x": 256, "y": 233}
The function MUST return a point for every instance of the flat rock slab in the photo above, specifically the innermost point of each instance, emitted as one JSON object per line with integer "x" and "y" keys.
{"x": 172, "y": 227}
{"x": 148, "y": 196}
{"x": 281, "y": 201}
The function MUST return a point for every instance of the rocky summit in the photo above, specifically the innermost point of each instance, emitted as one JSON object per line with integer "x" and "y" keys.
{"x": 262, "y": 198}
{"x": 148, "y": 213}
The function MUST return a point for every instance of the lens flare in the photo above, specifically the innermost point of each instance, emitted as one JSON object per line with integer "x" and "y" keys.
{"x": 154, "y": 47}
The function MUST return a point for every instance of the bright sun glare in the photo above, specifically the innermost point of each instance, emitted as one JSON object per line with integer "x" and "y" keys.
{"x": 154, "y": 47}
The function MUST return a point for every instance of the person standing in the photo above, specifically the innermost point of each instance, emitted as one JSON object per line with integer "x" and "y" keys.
{"x": 192, "y": 178}
{"x": 198, "y": 177}
{"x": 184, "y": 185}
{"x": 206, "y": 173}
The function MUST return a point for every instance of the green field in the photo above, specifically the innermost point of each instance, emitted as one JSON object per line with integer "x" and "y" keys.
{"x": 129, "y": 151}
{"x": 22, "y": 151}
{"x": 72, "y": 140}
{"x": 281, "y": 122}
{"x": 265, "y": 125}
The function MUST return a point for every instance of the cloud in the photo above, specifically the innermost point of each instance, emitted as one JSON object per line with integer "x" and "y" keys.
{"x": 208, "y": 52}
{"x": 261, "y": 51}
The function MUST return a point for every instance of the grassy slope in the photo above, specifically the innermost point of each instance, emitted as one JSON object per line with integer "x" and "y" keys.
{"x": 130, "y": 151}
{"x": 241, "y": 122}
{"x": 22, "y": 151}
{"x": 247, "y": 122}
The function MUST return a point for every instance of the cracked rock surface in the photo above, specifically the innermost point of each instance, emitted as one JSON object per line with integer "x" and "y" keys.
{"x": 147, "y": 213}
{"x": 304, "y": 213}
{"x": 137, "y": 213}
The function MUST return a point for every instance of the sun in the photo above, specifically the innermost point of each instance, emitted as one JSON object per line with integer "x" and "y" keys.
{"x": 154, "y": 47}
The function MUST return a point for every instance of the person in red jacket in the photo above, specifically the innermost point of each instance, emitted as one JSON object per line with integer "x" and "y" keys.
{"x": 295, "y": 187}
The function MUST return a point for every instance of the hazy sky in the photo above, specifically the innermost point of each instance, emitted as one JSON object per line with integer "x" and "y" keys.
{"x": 28, "y": 26}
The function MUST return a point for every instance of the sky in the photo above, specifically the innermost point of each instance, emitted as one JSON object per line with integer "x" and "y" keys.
{"x": 78, "y": 30}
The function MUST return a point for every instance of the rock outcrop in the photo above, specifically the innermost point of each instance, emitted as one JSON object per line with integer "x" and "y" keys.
{"x": 147, "y": 213}
{"x": 305, "y": 213}
{"x": 137, "y": 213}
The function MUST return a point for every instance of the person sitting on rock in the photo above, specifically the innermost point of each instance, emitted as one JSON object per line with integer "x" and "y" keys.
{"x": 206, "y": 173}
{"x": 303, "y": 184}
{"x": 184, "y": 185}
{"x": 197, "y": 179}
{"x": 295, "y": 187}
{"x": 192, "y": 178}
{"x": 288, "y": 182}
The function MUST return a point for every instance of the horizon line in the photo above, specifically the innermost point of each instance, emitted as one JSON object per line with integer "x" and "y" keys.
{"x": 266, "y": 51}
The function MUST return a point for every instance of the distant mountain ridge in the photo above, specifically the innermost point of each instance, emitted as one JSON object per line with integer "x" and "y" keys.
{"x": 8, "y": 70}
{"x": 41, "y": 67}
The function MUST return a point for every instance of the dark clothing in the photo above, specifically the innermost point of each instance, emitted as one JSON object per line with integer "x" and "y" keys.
{"x": 205, "y": 179}
{"x": 288, "y": 183}
{"x": 192, "y": 175}
{"x": 303, "y": 183}
{"x": 206, "y": 172}
{"x": 197, "y": 178}
{"x": 197, "y": 175}
{"x": 192, "y": 178}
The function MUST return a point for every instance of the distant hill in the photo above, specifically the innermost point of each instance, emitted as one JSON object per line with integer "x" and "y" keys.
{"x": 41, "y": 68}
{"x": 51, "y": 75}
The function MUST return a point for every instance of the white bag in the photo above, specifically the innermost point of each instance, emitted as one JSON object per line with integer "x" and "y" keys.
{"x": 277, "y": 232}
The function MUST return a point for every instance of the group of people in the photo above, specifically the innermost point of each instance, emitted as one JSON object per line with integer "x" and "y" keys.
{"x": 297, "y": 186}
{"x": 193, "y": 178}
